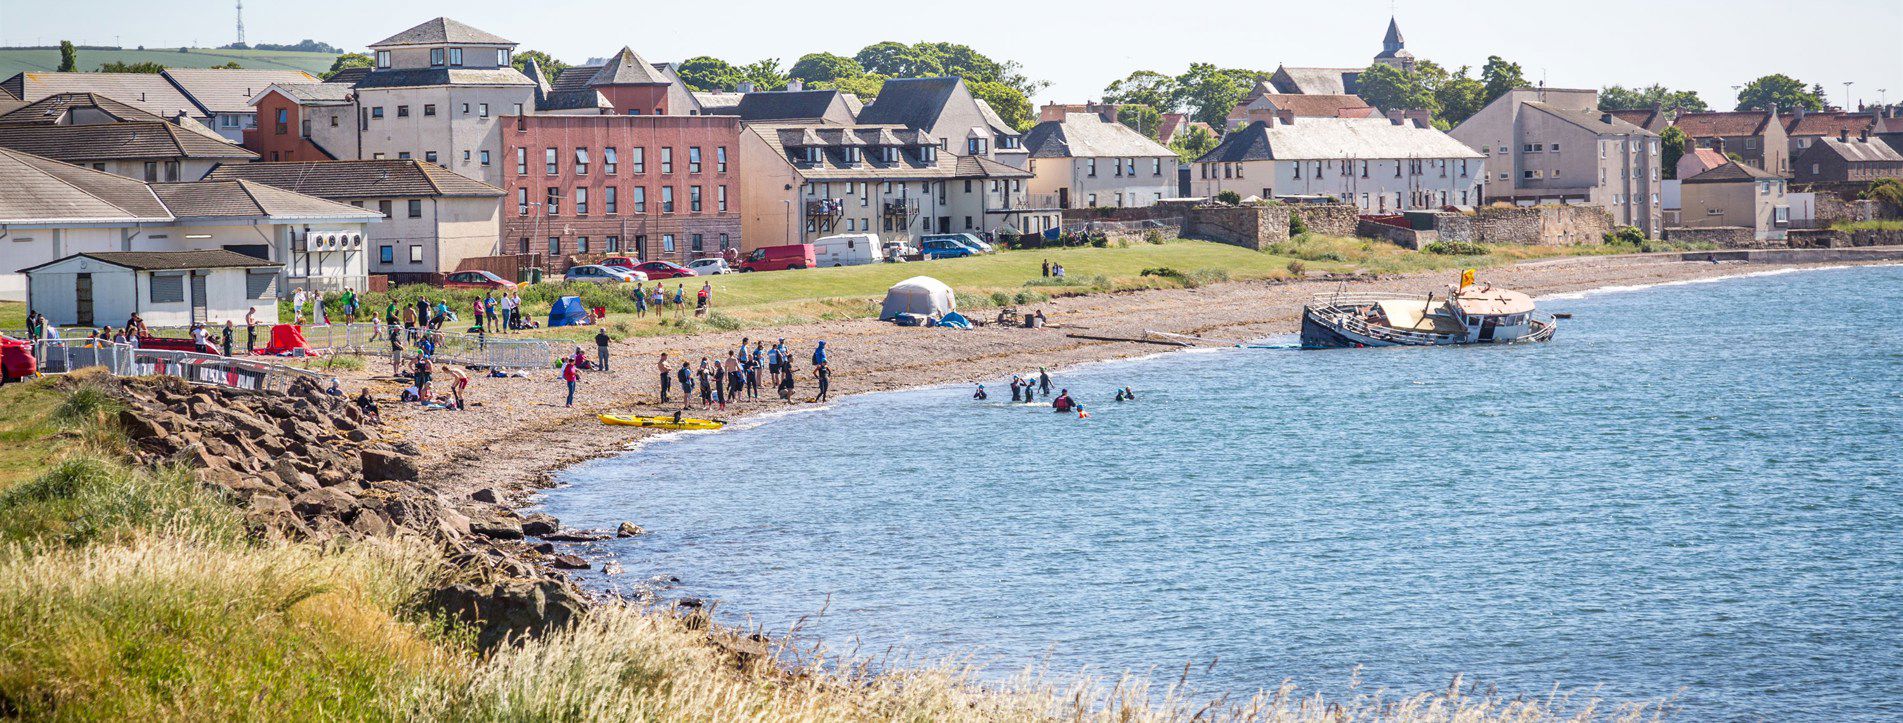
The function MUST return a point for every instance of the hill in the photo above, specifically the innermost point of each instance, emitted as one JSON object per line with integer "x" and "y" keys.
{"x": 16, "y": 60}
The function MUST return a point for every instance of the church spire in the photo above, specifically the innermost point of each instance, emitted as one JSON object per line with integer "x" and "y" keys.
{"x": 1393, "y": 41}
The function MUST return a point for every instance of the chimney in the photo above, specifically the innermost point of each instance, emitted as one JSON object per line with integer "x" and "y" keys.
{"x": 1395, "y": 116}
{"x": 1286, "y": 117}
{"x": 1843, "y": 134}
{"x": 1718, "y": 144}
{"x": 1773, "y": 110}
{"x": 746, "y": 86}
{"x": 1864, "y": 135}
{"x": 1605, "y": 118}
{"x": 795, "y": 85}
{"x": 1799, "y": 113}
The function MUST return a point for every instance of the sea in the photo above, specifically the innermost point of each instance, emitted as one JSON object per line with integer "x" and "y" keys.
{"x": 1693, "y": 495}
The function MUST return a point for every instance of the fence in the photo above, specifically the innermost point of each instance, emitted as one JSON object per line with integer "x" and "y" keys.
{"x": 477, "y": 350}
{"x": 64, "y": 356}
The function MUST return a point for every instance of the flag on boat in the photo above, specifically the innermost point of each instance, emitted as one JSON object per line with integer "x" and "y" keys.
{"x": 1466, "y": 278}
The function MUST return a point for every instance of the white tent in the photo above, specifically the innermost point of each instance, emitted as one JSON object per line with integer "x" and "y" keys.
{"x": 918, "y": 295}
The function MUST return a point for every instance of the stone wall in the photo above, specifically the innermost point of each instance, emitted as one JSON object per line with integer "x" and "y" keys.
{"x": 1403, "y": 237}
{"x": 1159, "y": 211}
{"x": 1328, "y": 219}
{"x": 1834, "y": 239}
{"x": 1724, "y": 237}
{"x": 1251, "y": 227}
{"x": 1552, "y": 225}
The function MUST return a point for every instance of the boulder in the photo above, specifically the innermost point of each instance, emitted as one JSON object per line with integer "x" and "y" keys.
{"x": 323, "y": 501}
{"x": 502, "y": 611}
{"x": 380, "y": 465}
{"x": 500, "y": 528}
{"x": 371, "y": 523}
{"x": 138, "y": 426}
{"x": 629, "y": 529}
{"x": 569, "y": 562}
{"x": 575, "y": 536}
{"x": 485, "y": 494}
{"x": 540, "y": 524}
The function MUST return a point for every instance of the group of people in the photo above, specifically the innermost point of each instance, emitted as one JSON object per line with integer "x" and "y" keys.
{"x": 493, "y": 313}
{"x": 661, "y": 301}
{"x": 346, "y": 299}
{"x": 740, "y": 374}
{"x": 206, "y": 338}
{"x": 1027, "y": 388}
{"x": 1053, "y": 270}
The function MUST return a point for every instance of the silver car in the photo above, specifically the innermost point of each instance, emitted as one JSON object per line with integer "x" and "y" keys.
{"x": 597, "y": 274}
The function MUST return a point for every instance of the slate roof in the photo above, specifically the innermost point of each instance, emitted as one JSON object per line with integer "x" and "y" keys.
{"x": 992, "y": 119}
{"x": 1335, "y": 139}
{"x": 783, "y": 105}
{"x": 627, "y": 68}
{"x": 349, "y": 76}
{"x": 42, "y": 190}
{"x": 54, "y": 109}
{"x": 1316, "y": 81}
{"x": 1730, "y": 124}
{"x": 171, "y": 260}
{"x": 150, "y": 92}
{"x": 1860, "y": 151}
{"x": 230, "y": 90}
{"x": 1088, "y": 135}
{"x": 1319, "y": 105}
{"x": 1651, "y": 119}
{"x": 116, "y": 141}
{"x": 833, "y": 139}
{"x": 240, "y": 198}
{"x": 442, "y": 31}
{"x": 1830, "y": 124}
{"x": 313, "y": 93}
{"x": 353, "y": 180}
{"x": 1592, "y": 120}
{"x": 718, "y": 102}
{"x": 910, "y": 102}
{"x": 1732, "y": 173}
{"x": 418, "y": 77}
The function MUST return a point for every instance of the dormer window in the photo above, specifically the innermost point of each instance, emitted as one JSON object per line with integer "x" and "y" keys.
{"x": 976, "y": 146}
{"x": 455, "y": 57}
{"x": 436, "y": 57}
{"x": 811, "y": 154}
{"x": 889, "y": 154}
{"x": 928, "y": 153}
{"x": 502, "y": 57}
{"x": 383, "y": 58}
{"x": 852, "y": 155}
{"x": 1007, "y": 141}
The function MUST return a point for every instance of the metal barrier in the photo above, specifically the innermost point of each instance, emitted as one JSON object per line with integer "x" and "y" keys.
{"x": 480, "y": 350}
{"x": 62, "y": 356}
{"x": 218, "y": 370}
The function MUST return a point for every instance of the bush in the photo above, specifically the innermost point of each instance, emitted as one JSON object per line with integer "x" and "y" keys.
{"x": 1153, "y": 236}
{"x": 1455, "y": 248}
{"x": 1229, "y": 198}
{"x": 1296, "y": 226}
{"x": 84, "y": 500}
{"x": 1626, "y": 235}
{"x": 1162, "y": 271}
{"x": 1100, "y": 241}
{"x": 1887, "y": 190}
{"x": 1297, "y": 268}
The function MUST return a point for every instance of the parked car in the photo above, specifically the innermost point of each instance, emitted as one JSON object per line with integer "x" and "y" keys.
{"x": 477, "y": 280}
{"x": 850, "y": 249}
{"x": 709, "y": 267}
{"x": 776, "y": 258}
{"x": 664, "y": 270}
{"x": 598, "y": 274}
{"x": 621, "y": 262}
{"x": 945, "y": 246}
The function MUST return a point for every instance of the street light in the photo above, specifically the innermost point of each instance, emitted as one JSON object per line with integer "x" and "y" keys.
{"x": 1847, "y": 85}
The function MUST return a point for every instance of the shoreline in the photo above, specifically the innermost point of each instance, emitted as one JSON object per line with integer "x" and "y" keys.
{"x": 516, "y": 436}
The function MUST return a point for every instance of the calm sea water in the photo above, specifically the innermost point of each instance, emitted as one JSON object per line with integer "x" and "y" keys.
{"x": 1694, "y": 490}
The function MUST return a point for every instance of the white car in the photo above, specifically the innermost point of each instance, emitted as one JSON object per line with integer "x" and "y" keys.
{"x": 596, "y": 274}
{"x": 709, "y": 267}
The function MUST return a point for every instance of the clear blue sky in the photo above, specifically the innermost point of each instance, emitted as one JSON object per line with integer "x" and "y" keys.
{"x": 1080, "y": 46}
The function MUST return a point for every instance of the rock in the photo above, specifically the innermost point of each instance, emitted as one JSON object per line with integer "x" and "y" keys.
{"x": 357, "y": 435}
{"x": 485, "y": 494}
{"x": 747, "y": 650}
{"x": 507, "y": 610}
{"x": 379, "y": 465}
{"x": 371, "y": 523}
{"x": 500, "y": 528}
{"x": 569, "y": 562}
{"x": 546, "y": 548}
{"x": 269, "y": 504}
{"x": 575, "y": 536}
{"x": 137, "y": 426}
{"x": 323, "y": 501}
{"x": 629, "y": 529}
{"x": 540, "y": 524}
{"x": 332, "y": 477}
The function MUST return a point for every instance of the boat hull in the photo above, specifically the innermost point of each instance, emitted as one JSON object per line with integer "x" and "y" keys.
{"x": 1321, "y": 331}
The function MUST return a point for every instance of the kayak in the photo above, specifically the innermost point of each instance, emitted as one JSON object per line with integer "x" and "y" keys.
{"x": 628, "y": 420}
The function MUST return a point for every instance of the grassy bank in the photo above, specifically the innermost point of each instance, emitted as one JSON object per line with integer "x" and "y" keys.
{"x": 136, "y": 594}
{"x": 46, "y": 60}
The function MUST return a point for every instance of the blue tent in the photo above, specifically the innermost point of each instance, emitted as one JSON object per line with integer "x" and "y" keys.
{"x": 567, "y": 312}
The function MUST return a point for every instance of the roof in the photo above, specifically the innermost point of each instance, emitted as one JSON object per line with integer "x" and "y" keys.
{"x": 150, "y": 92}
{"x": 1858, "y": 150}
{"x": 1651, "y": 119}
{"x": 1087, "y": 135}
{"x": 1829, "y": 124}
{"x": 117, "y": 141}
{"x": 230, "y": 90}
{"x": 311, "y": 93}
{"x": 1708, "y": 157}
{"x": 911, "y": 102}
{"x": 1319, "y": 105}
{"x": 1335, "y": 139}
{"x": 42, "y": 190}
{"x": 991, "y": 118}
{"x": 419, "y": 77}
{"x": 1732, "y": 172}
{"x": 442, "y": 31}
{"x": 239, "y": 198}
{"x": 781, "y": 105}
{"x": 349, "y": 76}
{"x": 1592, "y": 120}
{"x": 1170, "y": 125}
{"x": 718, "y": 102}
{"x": 358, "y": 179}
{"x": 627, "y": 68}
{"x": 1316, "y": 81}
{"x": 170, "y": 260}
{"x": 833, "y": 139}
{"x": 1722, "y": 124}
{"x": 55, "y": 109}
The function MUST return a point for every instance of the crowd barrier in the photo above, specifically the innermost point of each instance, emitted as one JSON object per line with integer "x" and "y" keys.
{"x": 64, "y": 356}
{"x": 479, "y": 350}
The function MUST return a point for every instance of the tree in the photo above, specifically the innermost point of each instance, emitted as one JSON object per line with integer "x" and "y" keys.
{"x": 68, "y": 57}
{"x": 705, "y": 73}
{"x": 764, "y": 74}
{"x": 824, "y": 67}
{"x": 1457, "y": 96}
{"x": 1672, "y": 145}
{"x": 1141, "y": 118}
{"x": 1010, "y": 104}
{"x": 118, "y": 67}
{"x": 1390, "y": 88}
{"x": 348, "y": 60}
{"x": 1144, "y": 87}
{"x": 933, "y": 59}
{"x": 1209, "y": 93}
{"x": 865, "y": 87}
{"x": 1614, "y": 97}
{"x": 549, "y": 65}
{"x": 1194, "y": 143}
{"x": 1500, "y": 76}
{"x": 229, "y": 65}
{"x": 1787, "y": 92}
{"x": 896, "y": 60}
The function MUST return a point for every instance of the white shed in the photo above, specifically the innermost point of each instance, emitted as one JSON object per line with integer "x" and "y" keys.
{"x": 165, "y": 288}
{"x": 918, "y": 295}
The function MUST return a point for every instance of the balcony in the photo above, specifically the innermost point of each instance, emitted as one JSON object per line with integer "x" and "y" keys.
{"x": 1029, "y": 202}
{"x": 901, "y": 207}
{"x": 828, "y": 207}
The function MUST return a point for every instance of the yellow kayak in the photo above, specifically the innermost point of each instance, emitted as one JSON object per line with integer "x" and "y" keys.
{"x": 628, "y": 420}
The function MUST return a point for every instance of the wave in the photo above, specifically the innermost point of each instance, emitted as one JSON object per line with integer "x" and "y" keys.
{"x": 1617, "y": 289}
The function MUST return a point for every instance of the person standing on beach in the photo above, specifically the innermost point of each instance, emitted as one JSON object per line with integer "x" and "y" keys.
{"x": 706, "y": 391}
{"x": 229, "y": 332}
{"x": 1044, "y": 381}
{"x": 640, "y": 302}
{"x": 824, "y": 374}
{"x": 665, "y": 380}
{"x": 736, "y": 378}
{"x": 753, "y": 370}
{"x": 686, "y": 376}
{"x": 570, "y": 375}
{"x": 601, "y": 348}
{"x": 251, "y": 330}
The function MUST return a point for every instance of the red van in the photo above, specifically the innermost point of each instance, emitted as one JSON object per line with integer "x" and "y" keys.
{"x": 775, "y": 258}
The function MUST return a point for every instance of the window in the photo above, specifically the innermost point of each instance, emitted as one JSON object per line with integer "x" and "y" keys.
{"x": 171, "y": 170}
{"x": 693, "y": 158}
{"x": 1529, "y": 174}
{"x": 521, "y": 161}
{"x": 522, "y": 202}
{"x": 502, "y": 57}
{"x": 405, "y": 155}
{"x": 609, "y": 163}
{"x": 581, "y": 161}
{"x": 416, "y": 253}
{"x": 581, "y": 201}
{"x": 485, "y": 157}
{"x": 1298, "y": 169}
{"x": 638, "y": 157}
{"x": 667, "y": 160}
{"x": 693, "y": 200}
{"x": 1091, "y": 201}
{"x": 383, "y": 58}
{"x": 384, "y": 207}
{"x": 720, "y": 198}
{"x": 1116, "y": 167}
{"x": 1090, "y": 169}
{"x": 667, "y": 199}
{"x": 553, "y": 203}
{"x": 554, "y": 245}
{"x": 667, "y": 243}
{"x": 416, "y": 208}
{"x": 386, "y": 254}
{"x": 1751, "y": 143}
{"x": 725, "y": 243}
{"x": 436, "y": 57}
{"x": 429, "y": 156}
{"x": 465, "y": 109}
{"x": 968, "y": 223}
{"x": 456, "y": 56}
{"x": 612, "y": 244}
{"x": 976, "y": 146}
{"x": 1156, "y": 166}
{"x": 402, "y": 111}
{"x": 333, "y": 121}
{"x": 581, "y": 244}
{"x": 695, "y": 243}
{"x": 429, "y": 109}
{"x": 640, "y": 197}
{"x": 553, "y": 163}
{"x": 482, "y": 110}
{"x": 720, "y": 158}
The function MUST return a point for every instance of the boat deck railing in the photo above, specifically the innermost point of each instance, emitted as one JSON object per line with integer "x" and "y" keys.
{"x": 1364, "y": 298}
{"x": 1351, "y": 322}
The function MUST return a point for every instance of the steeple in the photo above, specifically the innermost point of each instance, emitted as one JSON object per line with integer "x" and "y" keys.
{"x": 1394, "y": 48}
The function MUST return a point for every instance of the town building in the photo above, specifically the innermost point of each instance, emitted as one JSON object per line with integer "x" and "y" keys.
{"x": 1859, "y": 159}
{"x": 165, "y": 288}
{"x": 1555, "y": 146}
{"x": 54, "y": 210}
{"x": 217, "y": 98}
{"x": 946, "y": 110}
{"x": 1737, "y": 195}
{"x": 149, "y": 92}
{"x": 1380, "y": 165}
{"x": 805, "y": 181}
{"x": 626, "y": 84}
{"x": 1263, "y": 103}
{"x": 1754, "y": 136}
{"x": 1085, "y": 161}
{"x": 223, "y": 95}
{"x": 1653, "y": 119}
{"x": 790, "y": 106}
{"x": 1343, "y": 81}
{"x": 432, "y": 218}
{"x": 1805, "y": 127}
{"x": 1699, "y": 160}
{"x": 102, "y": 134}
{"x": 1394, "y": 52}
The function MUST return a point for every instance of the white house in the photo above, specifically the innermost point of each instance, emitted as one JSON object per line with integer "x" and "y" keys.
{"x": 165, "y": 288}
{"x": 1382, "y": 165}
{"x": 1085, "y": 161}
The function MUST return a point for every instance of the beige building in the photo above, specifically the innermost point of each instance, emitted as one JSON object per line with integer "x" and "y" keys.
{"x": 1756, "y": 136}
{"x": 1381, "y": 165}
{"x": 1085, "y": 161}
{"x": 92, "y": 130}
{"x": 1555, "y": 146}
{"x": 1735, "y": 194}
{"x": 944, "y": 109}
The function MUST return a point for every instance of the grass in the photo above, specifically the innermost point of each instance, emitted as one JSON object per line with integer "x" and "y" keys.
{"x": 1850, "y": 226}
{"x": 16, "y": 60}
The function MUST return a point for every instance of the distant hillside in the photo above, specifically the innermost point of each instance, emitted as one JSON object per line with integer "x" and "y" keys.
{"x": 15, "y": 60}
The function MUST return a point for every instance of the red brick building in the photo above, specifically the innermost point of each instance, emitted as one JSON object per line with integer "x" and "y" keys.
{"x": 283, "y": 132}
{"x": 659, "y": 187}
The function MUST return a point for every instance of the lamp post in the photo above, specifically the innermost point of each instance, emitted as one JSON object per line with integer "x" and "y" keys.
{"x": 1847, "y": 85}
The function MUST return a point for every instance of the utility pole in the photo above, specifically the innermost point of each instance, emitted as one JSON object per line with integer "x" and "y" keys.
{"x": 1847, "y": 85}
{"x": 241, "y": 22}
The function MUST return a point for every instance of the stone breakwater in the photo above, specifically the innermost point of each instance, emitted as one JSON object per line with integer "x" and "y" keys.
{"x": 307, "y": 466}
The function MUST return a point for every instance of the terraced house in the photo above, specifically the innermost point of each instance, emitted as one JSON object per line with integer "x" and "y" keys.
{"x": 1085, "y": 161}
{"x": 1554, "y": 146}
{"x": 1380, "y": 165}
{"x": 97, "y": 132}
{"x": 1754, "y": 136}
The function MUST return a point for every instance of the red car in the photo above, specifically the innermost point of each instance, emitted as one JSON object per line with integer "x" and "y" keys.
{"x": 477, "y": 280}
{"x": 664, "y": 270}
{"x": 620, "y": 262}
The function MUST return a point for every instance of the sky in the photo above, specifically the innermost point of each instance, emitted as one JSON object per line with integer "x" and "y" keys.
{"x": 1081, "y": 46}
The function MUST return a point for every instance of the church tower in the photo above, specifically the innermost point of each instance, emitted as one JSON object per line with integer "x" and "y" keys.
{"x": 1394, "y": 49}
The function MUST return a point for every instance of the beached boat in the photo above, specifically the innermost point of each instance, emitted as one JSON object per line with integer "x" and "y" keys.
{"x": 1468, "y": 314}
{"x": 628, "y": 420}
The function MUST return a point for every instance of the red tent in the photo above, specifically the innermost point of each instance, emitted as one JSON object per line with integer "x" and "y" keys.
{"x": 286, "y": 338}
{"x": 16, "y": 359}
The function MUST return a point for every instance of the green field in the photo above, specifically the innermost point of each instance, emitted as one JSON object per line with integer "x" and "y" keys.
{"x": 17, "y": 60}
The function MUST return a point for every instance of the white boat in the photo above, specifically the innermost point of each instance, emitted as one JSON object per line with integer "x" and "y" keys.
{"x": 1470, "y": 314}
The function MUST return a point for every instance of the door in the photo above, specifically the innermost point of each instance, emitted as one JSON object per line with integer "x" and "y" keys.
{"x": 198, "y": 298}
{"x": 1063, "y": 198}
{"x": 944, "y": 224}
{"x": 83, "y": 299}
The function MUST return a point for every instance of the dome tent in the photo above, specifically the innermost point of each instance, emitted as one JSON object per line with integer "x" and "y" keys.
{"x": 921, "y": 295}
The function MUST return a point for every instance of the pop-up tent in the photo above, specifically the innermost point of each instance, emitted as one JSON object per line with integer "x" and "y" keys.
{"x": 567, "y": 311}
{"x": 921, "y": 295}
{"x": 287, "y": 339}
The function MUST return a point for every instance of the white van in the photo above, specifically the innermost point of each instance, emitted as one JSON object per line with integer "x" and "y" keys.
{"x": 850, "y": 249}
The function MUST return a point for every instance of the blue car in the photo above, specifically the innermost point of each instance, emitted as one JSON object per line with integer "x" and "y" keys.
{"x": 947, "y": 246}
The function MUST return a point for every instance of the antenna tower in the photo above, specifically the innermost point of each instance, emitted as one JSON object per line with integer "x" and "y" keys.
{"x": 241, "y": 22}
